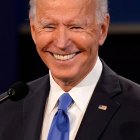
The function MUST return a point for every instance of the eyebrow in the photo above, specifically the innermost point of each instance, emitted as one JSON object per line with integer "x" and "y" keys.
{"x": 69, "y": 22}
{"x": 44, "y": 21}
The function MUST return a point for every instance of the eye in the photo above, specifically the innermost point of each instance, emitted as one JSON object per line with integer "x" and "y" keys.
{"x": 49, "y": 28}
{"x": 76, "y": 28}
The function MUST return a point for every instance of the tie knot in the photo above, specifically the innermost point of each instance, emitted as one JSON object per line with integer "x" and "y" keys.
{"x": 65, "y": 101}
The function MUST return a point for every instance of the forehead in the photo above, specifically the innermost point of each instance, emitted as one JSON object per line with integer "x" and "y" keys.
{"x": 64, "y": 7}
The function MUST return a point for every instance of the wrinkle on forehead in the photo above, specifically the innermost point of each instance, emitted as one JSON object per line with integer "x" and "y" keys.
{"x": 67, "y": 9}
{"x": 67, "y": 4}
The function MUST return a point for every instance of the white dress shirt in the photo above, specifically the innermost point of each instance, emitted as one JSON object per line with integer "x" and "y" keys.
{"x": 81, "y": 95}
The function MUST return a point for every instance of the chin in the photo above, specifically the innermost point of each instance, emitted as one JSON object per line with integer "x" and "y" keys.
{"x": 65, "y": 78}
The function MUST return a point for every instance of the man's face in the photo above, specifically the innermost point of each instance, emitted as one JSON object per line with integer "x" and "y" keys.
{"x": 67, "y": 37}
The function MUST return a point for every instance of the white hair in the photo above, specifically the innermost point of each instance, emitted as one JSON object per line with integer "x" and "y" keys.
{"x": 32, "y": 10}
{"x": 102, "y": 9}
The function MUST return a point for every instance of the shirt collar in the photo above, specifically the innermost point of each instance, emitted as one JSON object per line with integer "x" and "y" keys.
{"x": 81, "y": 93}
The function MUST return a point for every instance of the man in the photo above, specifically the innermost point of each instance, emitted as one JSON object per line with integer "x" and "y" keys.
{"x": 106, "y": 106}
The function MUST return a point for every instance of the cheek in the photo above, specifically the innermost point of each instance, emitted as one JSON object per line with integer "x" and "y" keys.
{"x": 90, "y": 45}
{"x": 41, "y": 43}
{"x": 86, "y": 42}
{"x": 42, "y": 40}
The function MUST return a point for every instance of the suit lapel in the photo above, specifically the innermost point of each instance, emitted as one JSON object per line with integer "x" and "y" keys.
{"x": 101, "y": 107}
{"x": 34, "y": 109}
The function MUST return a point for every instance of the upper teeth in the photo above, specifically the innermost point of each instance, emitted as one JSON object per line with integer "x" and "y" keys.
{"x": 64, "y": 57}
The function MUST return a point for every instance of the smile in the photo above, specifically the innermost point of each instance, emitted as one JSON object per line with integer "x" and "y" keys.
{"x": 64, "y": 57}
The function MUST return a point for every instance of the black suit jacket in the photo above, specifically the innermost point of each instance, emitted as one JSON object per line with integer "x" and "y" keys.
{"x": 22, "y": 120}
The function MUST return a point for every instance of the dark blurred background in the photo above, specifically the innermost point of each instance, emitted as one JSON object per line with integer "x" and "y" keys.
{"x": 18, "y": 57}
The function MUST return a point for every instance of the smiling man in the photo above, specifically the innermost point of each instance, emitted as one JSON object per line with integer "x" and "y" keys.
{"x": 81, "y": 98}
{"x": 67, "y": 36}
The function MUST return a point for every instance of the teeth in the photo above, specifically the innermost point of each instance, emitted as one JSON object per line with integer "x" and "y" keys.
{"x": 64, "y": 57}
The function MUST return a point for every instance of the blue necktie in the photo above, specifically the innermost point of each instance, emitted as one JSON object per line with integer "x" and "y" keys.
{"x": 60, "y": 126}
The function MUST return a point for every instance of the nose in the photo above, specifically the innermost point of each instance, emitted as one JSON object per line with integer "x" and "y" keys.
{"x": 61, "y": 38}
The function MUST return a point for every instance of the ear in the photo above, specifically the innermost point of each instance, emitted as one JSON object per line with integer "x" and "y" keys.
{"x": 104, "y": 29}
{"x": 33, "y": 32}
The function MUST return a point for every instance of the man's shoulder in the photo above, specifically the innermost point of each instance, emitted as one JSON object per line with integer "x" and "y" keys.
{"x": 126, "y": 86}
{"x": 40, "y": 84}
{"x": 12, "y": 112}
{"x": 129, "y": 87}
{"x": 37, "y": 89}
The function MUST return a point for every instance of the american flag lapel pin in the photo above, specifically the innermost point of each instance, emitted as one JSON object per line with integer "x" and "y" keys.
{"x": 102, "y": 107}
